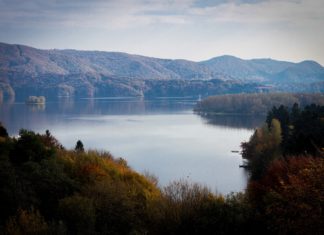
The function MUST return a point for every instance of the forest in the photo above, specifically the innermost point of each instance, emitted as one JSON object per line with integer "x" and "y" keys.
{"x": 48, "y": 189}
{"x": 254, "y": 103}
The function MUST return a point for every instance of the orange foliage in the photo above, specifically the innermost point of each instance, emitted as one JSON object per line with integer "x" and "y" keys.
{"x": 291, "y": 195}
{"x": 93, "y": 171}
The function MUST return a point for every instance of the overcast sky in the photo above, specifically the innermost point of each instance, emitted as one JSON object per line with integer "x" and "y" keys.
{"x": 190, "y": 29}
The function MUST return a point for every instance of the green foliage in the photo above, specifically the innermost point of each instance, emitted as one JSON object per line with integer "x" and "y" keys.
{"x": 262, "y": 148}
{"x": 30, "y": 147}
{"x": 302, "y": 129}
{"x": 287, "y": 132}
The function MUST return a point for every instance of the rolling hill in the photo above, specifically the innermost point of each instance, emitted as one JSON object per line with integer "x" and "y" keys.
{"x": 29, "y": 71}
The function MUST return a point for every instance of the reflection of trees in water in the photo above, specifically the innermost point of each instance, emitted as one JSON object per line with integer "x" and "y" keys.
{"x": 36, "y": 107}
{"x": 16, "y": 115}
{"x": 64, "y": 104}
{"x": 118, "y": 106}
{"x": 234, "y": 121}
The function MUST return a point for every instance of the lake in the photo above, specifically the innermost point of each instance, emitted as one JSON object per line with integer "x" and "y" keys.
{"x": 161, "y": 136}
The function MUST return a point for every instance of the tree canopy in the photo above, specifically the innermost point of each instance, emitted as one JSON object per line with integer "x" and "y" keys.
{"x": 258, "y": 103}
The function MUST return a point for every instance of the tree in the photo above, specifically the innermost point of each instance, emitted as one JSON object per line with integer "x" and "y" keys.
{"x": 262, "y": 148}
{"x": 50, "y": 141}
{"x": 79, "y": 146}
{"x": 3, "y": 131}
{"x": 79, "y": 214}
{"x": 307, "y": 133}
{"x": 30, "y": 147}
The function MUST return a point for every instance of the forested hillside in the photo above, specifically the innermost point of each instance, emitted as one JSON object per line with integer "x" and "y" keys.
{"x": 26, "y": 71}
{"x": 254, "y": 103}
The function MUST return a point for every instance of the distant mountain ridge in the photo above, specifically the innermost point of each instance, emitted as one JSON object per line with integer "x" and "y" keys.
{"x": 26, "y": 70}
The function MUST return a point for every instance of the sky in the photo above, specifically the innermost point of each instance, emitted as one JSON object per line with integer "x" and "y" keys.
{"x": 197, "y": 30}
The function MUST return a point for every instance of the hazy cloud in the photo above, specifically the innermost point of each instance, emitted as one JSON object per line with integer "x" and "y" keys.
{"x": 212, "y": 3}
{"x": 247, "y": 28}
{"x": 130, "y": 13}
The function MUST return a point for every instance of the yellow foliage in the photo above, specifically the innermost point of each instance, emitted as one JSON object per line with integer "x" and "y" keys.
{"x": 93, "y": 166}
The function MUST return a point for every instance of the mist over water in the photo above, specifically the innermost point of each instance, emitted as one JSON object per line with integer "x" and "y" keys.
{"x": 162, "y": 136}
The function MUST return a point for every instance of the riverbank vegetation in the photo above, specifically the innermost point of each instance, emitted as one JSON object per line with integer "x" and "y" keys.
{"x": 286, "y": 132}
{"x": 47, "y": 189}
{"x": 286, "y": 161}
{"x": 253, "y": 104}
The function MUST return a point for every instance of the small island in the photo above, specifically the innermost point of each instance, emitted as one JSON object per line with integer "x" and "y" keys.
{"x": 36, "y": 100}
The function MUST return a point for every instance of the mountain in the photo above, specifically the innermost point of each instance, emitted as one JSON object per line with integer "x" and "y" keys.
{"x": 266, "y": 70}
{"x": 29, "y": 71}
{"x": 232, "y": 66}
{"x": 35, "y": 62}
{"x": 303, "y": 72}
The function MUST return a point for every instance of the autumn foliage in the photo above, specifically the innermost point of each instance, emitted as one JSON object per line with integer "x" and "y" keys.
{"x": 291, "y": 196}
{"x": 286, "y": 189}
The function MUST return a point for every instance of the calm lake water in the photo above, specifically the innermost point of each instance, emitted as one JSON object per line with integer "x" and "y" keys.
{"x": 161, "y": 136}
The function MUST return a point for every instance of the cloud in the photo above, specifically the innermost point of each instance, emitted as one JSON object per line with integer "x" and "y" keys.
{"x": 97, "y": 13}
{"x": 213, "y": 3}
{"x": 170, "y": 26}
{"x": 116, "y": 14}
{"x": 264, "y": 12}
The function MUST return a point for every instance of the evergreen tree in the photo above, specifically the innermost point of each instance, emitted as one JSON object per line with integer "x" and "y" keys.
{"x": 3, "y": 131}
{"x": 79, "y": 146}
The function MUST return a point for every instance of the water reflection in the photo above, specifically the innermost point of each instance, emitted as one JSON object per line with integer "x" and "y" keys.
{"x": 20, "y": 115}
{"x": 26, "y": 115}
{"x": 36, "y": 107}
{"x": 234, "y": 121}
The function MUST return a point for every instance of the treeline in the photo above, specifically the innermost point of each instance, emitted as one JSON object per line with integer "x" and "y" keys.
{"x": 46, "y": 189}
{"x": 254, "y": 103}
{"x": 286, "y": 132}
